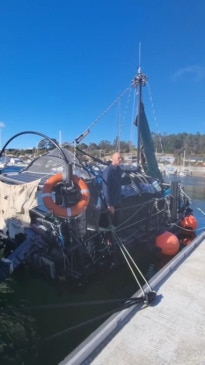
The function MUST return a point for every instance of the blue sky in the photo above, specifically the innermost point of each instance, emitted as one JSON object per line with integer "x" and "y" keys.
{"x": 63, "y": 62}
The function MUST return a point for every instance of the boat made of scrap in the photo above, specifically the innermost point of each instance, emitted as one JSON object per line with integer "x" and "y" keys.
{"x": 54, "y": 220}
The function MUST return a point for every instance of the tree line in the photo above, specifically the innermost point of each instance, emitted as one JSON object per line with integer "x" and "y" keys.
{"x": 193, "y": 144}
{"x": 176, "y": 144}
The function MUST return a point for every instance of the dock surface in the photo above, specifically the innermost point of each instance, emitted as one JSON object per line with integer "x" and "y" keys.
{"x": 171, "y": 330}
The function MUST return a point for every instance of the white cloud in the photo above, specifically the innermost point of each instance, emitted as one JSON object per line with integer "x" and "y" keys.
{"x": 196, "y": 73}
{"x": 2, "y": 125}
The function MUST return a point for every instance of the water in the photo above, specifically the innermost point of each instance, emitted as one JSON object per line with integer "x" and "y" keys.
{"x": 47, "y": 334}
{"x": 35, "y": 330}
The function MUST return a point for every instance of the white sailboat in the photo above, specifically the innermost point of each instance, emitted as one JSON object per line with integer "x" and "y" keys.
{"x": 184, "y": 171}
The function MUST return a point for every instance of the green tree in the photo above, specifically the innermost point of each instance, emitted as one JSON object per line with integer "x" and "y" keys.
{"x": 45, "y": 144}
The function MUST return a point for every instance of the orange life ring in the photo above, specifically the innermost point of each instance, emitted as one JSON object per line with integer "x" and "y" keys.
{"x": 58, "y": 210}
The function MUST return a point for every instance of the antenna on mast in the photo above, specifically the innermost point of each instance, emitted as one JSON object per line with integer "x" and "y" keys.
{"x": 139, "y": 67}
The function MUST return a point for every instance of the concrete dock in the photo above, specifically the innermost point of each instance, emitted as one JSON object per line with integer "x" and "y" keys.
{"x": 170, "y": 330}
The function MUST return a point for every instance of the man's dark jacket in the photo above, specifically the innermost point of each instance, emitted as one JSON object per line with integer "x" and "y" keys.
{"x": 112, "y": 185}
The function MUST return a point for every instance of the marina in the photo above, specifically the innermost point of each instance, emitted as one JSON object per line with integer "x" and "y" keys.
{"x": 102, "y": 183}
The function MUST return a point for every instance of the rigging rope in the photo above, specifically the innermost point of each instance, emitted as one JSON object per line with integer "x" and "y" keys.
{"x": 126, "y": 252}
{"x": 129, "y": 260}
{"x": 87, "y": 131}
{"x": 124, "y": 225}
{"x": 83, "y": 303}
{"x": 127, "y": 303}
{"x": 123, "y": 119}
{"x": 155, "y": 118}
{"x": 97, "y": 318}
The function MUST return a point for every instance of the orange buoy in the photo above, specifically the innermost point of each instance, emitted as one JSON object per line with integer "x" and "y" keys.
{"x": 168, "y": 243}
{"x": 189, "y": 222}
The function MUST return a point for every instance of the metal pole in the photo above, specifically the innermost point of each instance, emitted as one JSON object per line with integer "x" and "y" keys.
{"x": 138, "y": 120}
{"x": 139, "y": 81}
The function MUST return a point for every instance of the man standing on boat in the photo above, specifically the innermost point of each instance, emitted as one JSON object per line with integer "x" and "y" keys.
{"x": 112, "y": 183}
{"x": 112, "y": 195}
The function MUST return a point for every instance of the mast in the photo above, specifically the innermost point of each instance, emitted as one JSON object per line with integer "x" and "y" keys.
{"x": 139, "y": 81}
{"x": 150, "y": 164}
{"x": 60, "y": 138}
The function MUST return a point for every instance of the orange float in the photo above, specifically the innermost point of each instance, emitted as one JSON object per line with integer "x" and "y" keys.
{"x": 58, "y": 210}
{"x": 168, "y": 243}
{"x": 189, "y": 222}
